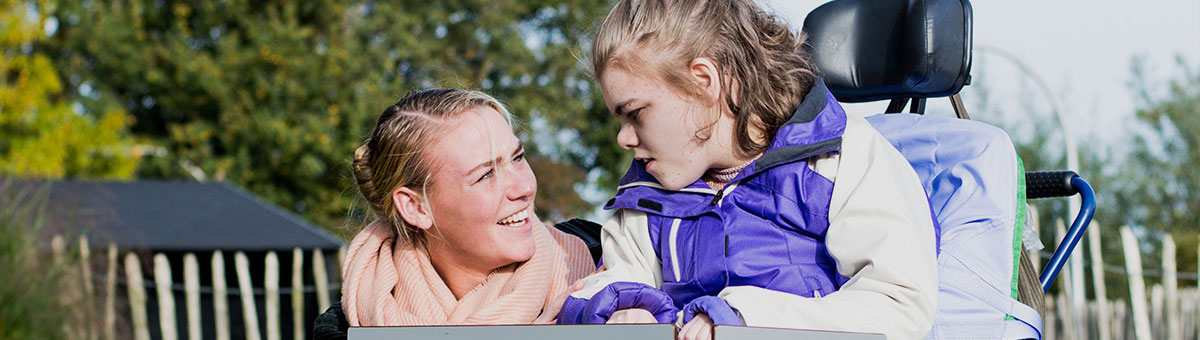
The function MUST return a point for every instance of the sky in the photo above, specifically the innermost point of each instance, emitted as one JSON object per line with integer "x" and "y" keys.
{"x": 1082, "y": 49}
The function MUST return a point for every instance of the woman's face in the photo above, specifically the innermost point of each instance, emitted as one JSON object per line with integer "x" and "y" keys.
{"x": 482, "y": 194}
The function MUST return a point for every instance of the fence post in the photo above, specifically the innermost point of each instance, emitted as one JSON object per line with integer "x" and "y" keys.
{"x": 1170, "y": 288}
{"x": 1078, "y": 294}
{"x": 1187, "y": 310}
{"x": 321, "y": 280}
{"x": 1137, "y": 286}
{"x": 1102, "y": 310}
{"x": 271, "y": 288}
{"x": 1120, "y": 313}
{"x": 1068, "y": 329}
{"x": 1157, "y": 317}
{"x": 110, "y": 295}
{"x": 246, "y": 287}
{"x": 191, "y": 284}
{"x": 341, "y": 256}
{"x": 166, "y": 300}
{"x": 298, "y": 294}
{"x": 66, "y": 298}
{"x": 1049, "y": 324}
{"x": 85, "y": 268}
{"x": 220, "y": 301}
{"x": 1066, "y": 307}
{"x": 137, "y": 297}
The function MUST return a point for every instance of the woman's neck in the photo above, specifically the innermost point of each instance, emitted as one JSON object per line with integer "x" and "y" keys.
{"x": 459, "y": 277}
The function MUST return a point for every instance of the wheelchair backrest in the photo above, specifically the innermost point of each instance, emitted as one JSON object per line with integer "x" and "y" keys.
{"x": 869, "y": 50}
{"x": 975, "y": 184}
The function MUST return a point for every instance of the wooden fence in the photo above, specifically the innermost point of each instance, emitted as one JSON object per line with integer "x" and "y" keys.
{"x": 1169, "y": 312}
{"x": 169, "y": 321}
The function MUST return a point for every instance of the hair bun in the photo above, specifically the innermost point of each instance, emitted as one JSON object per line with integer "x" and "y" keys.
{"x": 365, "y": 177}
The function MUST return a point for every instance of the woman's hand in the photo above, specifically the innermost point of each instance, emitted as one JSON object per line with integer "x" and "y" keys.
{"x": 700, "y": 328}
{"x": 550, "y": 314}
{"x": 632, "y": 315}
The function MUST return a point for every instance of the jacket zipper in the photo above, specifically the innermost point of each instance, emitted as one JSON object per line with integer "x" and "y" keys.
{"x": 674, "y": 237}
{"x": 717, "y": 199}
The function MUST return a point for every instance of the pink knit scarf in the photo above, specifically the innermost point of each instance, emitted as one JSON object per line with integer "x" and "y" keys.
{"x": 386, "y": 283}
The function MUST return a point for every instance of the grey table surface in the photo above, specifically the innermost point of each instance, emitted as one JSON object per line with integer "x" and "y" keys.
{"x": 591, "y": 332}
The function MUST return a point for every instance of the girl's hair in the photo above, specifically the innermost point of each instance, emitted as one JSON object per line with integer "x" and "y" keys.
{"x": 764, "y": 72}
{"x": 397, "y": 152}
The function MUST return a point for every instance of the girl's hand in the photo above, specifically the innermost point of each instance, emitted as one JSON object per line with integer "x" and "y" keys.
{"x": 550, "y": 314}
{"x": 632, "y": 315}
{"x": 700, "y": 328}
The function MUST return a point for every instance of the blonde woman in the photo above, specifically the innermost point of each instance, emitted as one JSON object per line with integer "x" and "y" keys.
{"x": 456, "y": 240}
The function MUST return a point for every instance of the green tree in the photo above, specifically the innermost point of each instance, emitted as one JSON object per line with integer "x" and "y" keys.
{"x": 1147, "y": 182}
{"x": 276, "y": 95}
{"x": 1161, "y": 186}
{"x": 41, "y": 135}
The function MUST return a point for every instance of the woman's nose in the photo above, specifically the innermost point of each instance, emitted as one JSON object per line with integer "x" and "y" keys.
{"x": 627, "y": 137}
{"x": 522, "y": 184}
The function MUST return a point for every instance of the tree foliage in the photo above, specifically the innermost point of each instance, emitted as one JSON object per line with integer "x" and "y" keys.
{"x": 43, "y": 135}
{"x": 1161, "y": 184}
{"x": 1148, "y": 182}
{"x": 276, "y": 95}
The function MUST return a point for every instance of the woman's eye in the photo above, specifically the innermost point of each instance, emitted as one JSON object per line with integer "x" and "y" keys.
{"x": 486, "y": 175}
{"x": 519, "y": 157}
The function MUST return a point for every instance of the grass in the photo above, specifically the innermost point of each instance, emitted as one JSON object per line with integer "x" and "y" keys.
{"x": 33, "y": 303}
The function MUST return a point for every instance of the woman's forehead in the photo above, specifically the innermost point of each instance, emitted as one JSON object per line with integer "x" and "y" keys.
{"x": 477, "y": 136}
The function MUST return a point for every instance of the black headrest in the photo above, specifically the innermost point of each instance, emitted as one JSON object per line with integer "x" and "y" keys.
{"x": 886, "y": 49}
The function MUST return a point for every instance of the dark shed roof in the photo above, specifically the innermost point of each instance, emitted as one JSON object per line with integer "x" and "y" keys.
{"x": 177, "y": 216}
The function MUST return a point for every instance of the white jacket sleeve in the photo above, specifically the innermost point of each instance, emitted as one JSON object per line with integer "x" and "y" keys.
{"x": 628, "y": 254}
{"x": 880, "y": 235}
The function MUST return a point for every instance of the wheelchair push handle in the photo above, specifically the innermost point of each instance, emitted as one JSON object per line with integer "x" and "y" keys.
{"x": 1044, "y": 184}
{"x": 1040, "y": 184}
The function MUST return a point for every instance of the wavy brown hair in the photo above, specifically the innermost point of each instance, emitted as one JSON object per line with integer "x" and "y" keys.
{"x": 397, "y": 152}
{"x": 763, "y": 70}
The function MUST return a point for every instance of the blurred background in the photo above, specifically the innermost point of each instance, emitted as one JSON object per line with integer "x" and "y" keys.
{"x": 270, "y": 98}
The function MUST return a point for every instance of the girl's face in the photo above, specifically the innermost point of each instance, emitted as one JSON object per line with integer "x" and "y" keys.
{"x": 661, "y": 126}
{"x": 482, "y": 194}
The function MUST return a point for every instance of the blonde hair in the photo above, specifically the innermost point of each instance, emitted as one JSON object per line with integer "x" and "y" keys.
{"x": 764, "y": 72}
{"x": 396, "y": 153}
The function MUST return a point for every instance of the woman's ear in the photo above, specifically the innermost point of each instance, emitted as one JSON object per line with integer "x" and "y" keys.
{"x": 706, "y": 75}
{"x": 413, "y": 208}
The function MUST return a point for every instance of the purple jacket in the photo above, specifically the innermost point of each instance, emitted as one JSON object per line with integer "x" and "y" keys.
{"x": 765, "y": 229}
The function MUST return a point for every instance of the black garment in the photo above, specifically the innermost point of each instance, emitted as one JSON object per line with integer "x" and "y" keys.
{"x": 587, "y": 231}
{"x": 332, "y": 325}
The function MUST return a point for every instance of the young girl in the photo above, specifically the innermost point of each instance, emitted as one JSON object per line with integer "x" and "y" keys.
{"x": 753, "y": 199}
